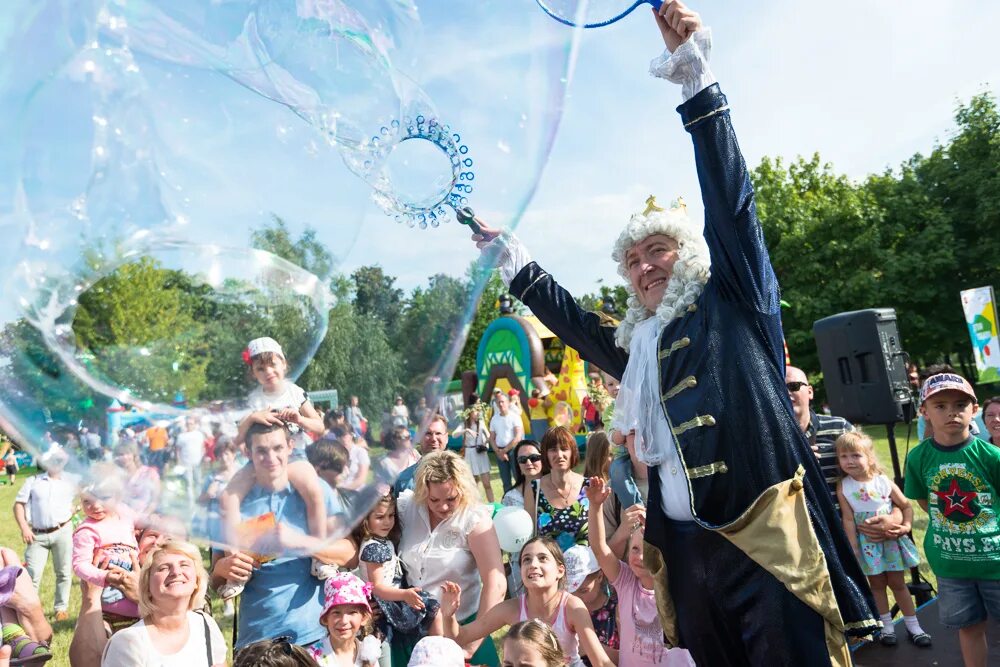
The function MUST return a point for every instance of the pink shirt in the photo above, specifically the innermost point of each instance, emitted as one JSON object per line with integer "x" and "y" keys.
{"x": 639, "y": 626}
{"x": 117, "y": 531}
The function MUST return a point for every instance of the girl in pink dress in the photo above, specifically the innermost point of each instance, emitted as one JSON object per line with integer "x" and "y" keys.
{"x": 106, "y": 536}
{"x": 640, "y": 633}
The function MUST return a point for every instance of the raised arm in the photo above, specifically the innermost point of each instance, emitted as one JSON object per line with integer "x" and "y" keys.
{"x": 552, "y": 304}
{"x": 597, "y": 493}
{"x": 496, "y": 617}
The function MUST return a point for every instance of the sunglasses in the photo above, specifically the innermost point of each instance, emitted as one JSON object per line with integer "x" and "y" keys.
{"x": 795, "y": 386}
{"x": 529, "y": 458}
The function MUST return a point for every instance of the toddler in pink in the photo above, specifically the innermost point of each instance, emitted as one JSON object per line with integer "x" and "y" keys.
{"x": 106, "y": 536}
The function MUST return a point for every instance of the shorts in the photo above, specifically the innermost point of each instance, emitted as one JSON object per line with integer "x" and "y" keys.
{"x": 966, "y": 602}
{"x": 11, "y": 470}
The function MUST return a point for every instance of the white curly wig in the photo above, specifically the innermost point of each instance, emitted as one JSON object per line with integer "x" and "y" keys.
{"x": 691, "y": 271}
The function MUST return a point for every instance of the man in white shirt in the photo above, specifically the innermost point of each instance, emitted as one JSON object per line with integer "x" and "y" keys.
{"x": 505, "y": 432}
{"x": 190, "y": 447}
{"x": 47, "y": 498}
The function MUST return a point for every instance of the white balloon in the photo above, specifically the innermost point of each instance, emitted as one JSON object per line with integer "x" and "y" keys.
{"x": 514, "y": 527}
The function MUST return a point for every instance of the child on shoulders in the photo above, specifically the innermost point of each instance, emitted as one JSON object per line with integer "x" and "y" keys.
{"x": 276, "y": 400}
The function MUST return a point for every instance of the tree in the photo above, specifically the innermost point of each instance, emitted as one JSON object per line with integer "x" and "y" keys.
{"x": 431, "y": 324}
{"x": 823, "y": 236}
{"x": 375, "y": 295}
{"x": 306, "y": 252}
{"x": 138, "y": 323}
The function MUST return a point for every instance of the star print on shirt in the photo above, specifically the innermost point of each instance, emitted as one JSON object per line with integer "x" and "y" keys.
{"x": 956, "y": 500}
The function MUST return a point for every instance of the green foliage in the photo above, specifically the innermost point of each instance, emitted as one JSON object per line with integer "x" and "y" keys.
{"x": 822, "y": 233}
{"x": 376, "y": 295}
{"x": 616, "y": 296}
{"x": 909, "y": 239}
{"x": 429, "y": 327}
{"x": 139, "y": 325}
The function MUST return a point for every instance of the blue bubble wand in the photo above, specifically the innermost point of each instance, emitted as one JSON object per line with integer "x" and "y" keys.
{"x": 592, "y": 13}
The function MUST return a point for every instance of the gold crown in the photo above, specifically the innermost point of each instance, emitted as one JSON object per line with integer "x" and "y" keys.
{"x": 651, "y": 205}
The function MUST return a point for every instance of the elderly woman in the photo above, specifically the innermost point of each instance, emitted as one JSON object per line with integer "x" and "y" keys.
{"x": 449, "y": 536}
{"x": 172, "y": 585}
{"x": 142, "y": 483}
{"x": 558, "y": 501}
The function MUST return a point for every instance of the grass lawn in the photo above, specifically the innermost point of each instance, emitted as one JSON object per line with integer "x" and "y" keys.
{"x": 10, "y": 536}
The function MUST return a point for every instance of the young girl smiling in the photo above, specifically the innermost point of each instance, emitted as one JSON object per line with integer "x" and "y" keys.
{"x": 346, "y": 615}
{"x": 407, "y": 610}
{"x": 543, "y": 573}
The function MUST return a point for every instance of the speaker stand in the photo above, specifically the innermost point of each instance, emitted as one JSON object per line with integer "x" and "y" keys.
{"x": 919, "y": 588}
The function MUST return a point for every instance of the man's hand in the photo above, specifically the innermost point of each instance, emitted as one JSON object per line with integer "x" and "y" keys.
{"x": 881, "y": 528}
{"x": 676, "y": 23}
{"x": 237, "y": 567}
{"x": 27, "y": 536}
{"x": 485, "y": 235}
{"x": 124, "y": 580}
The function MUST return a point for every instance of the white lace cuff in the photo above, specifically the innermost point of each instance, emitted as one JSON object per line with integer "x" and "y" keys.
{"x": 510, "y": 255}
{"x": 688, "y": 65}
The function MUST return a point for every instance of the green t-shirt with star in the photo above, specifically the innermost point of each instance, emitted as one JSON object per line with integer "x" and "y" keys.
{"x": 960, "y": 486}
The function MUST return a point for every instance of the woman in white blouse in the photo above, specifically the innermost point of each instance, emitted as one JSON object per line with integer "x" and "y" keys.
{"x": 170, "y": 633}
{"x": 448, "y": 536}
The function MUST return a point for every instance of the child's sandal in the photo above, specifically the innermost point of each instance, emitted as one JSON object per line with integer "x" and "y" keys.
{"x": 921, "y": 640}
{"x": 25, "y": 651}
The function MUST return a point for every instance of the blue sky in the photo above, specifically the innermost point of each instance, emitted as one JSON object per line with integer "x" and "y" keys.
{"x": 865, "y": 84}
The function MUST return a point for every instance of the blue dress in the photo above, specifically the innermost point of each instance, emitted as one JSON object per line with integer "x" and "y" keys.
{"x": 398, "y": 616}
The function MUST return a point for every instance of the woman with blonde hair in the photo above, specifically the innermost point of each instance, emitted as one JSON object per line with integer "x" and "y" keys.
{"x": 170, "y": 633}
{"x": 448, "y": 535}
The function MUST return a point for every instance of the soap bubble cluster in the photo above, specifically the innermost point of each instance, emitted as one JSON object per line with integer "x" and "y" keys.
{"x": 161, "y": 154}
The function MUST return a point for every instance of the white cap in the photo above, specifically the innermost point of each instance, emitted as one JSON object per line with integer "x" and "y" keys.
{"x": 437, "y": 652}
{"x": 262, "y": 345}
{"x": 580, "y": 564}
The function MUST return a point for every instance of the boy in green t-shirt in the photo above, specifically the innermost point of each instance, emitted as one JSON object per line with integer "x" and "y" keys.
{"x": 955, "y": 477}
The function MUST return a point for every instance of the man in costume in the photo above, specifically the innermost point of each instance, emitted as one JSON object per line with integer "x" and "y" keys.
{"x": 755, "y": 565}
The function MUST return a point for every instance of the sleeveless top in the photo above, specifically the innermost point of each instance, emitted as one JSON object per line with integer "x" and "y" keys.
{"x": 568, "y": 640}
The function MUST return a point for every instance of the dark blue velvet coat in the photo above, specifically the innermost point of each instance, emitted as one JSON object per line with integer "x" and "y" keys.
{"x": 722, "y": 377}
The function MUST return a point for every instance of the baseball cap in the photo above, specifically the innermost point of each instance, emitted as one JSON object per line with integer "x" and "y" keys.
{"x": 944, "y": 382}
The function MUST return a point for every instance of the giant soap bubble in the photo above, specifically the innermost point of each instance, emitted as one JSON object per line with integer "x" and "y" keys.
{"x": 183, "y": 176}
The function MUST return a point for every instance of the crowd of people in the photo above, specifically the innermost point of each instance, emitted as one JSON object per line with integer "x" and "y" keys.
{"x": 714, "y": 536}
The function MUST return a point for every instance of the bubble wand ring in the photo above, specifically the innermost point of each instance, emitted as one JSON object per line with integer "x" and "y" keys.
{"x": 451, "y": 193}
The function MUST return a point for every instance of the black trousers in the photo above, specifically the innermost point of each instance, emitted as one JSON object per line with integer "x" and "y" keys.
{"x": 730, "y": 611}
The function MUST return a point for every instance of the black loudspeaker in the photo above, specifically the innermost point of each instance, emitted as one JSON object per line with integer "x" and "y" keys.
{"x": 864, "y": 366}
